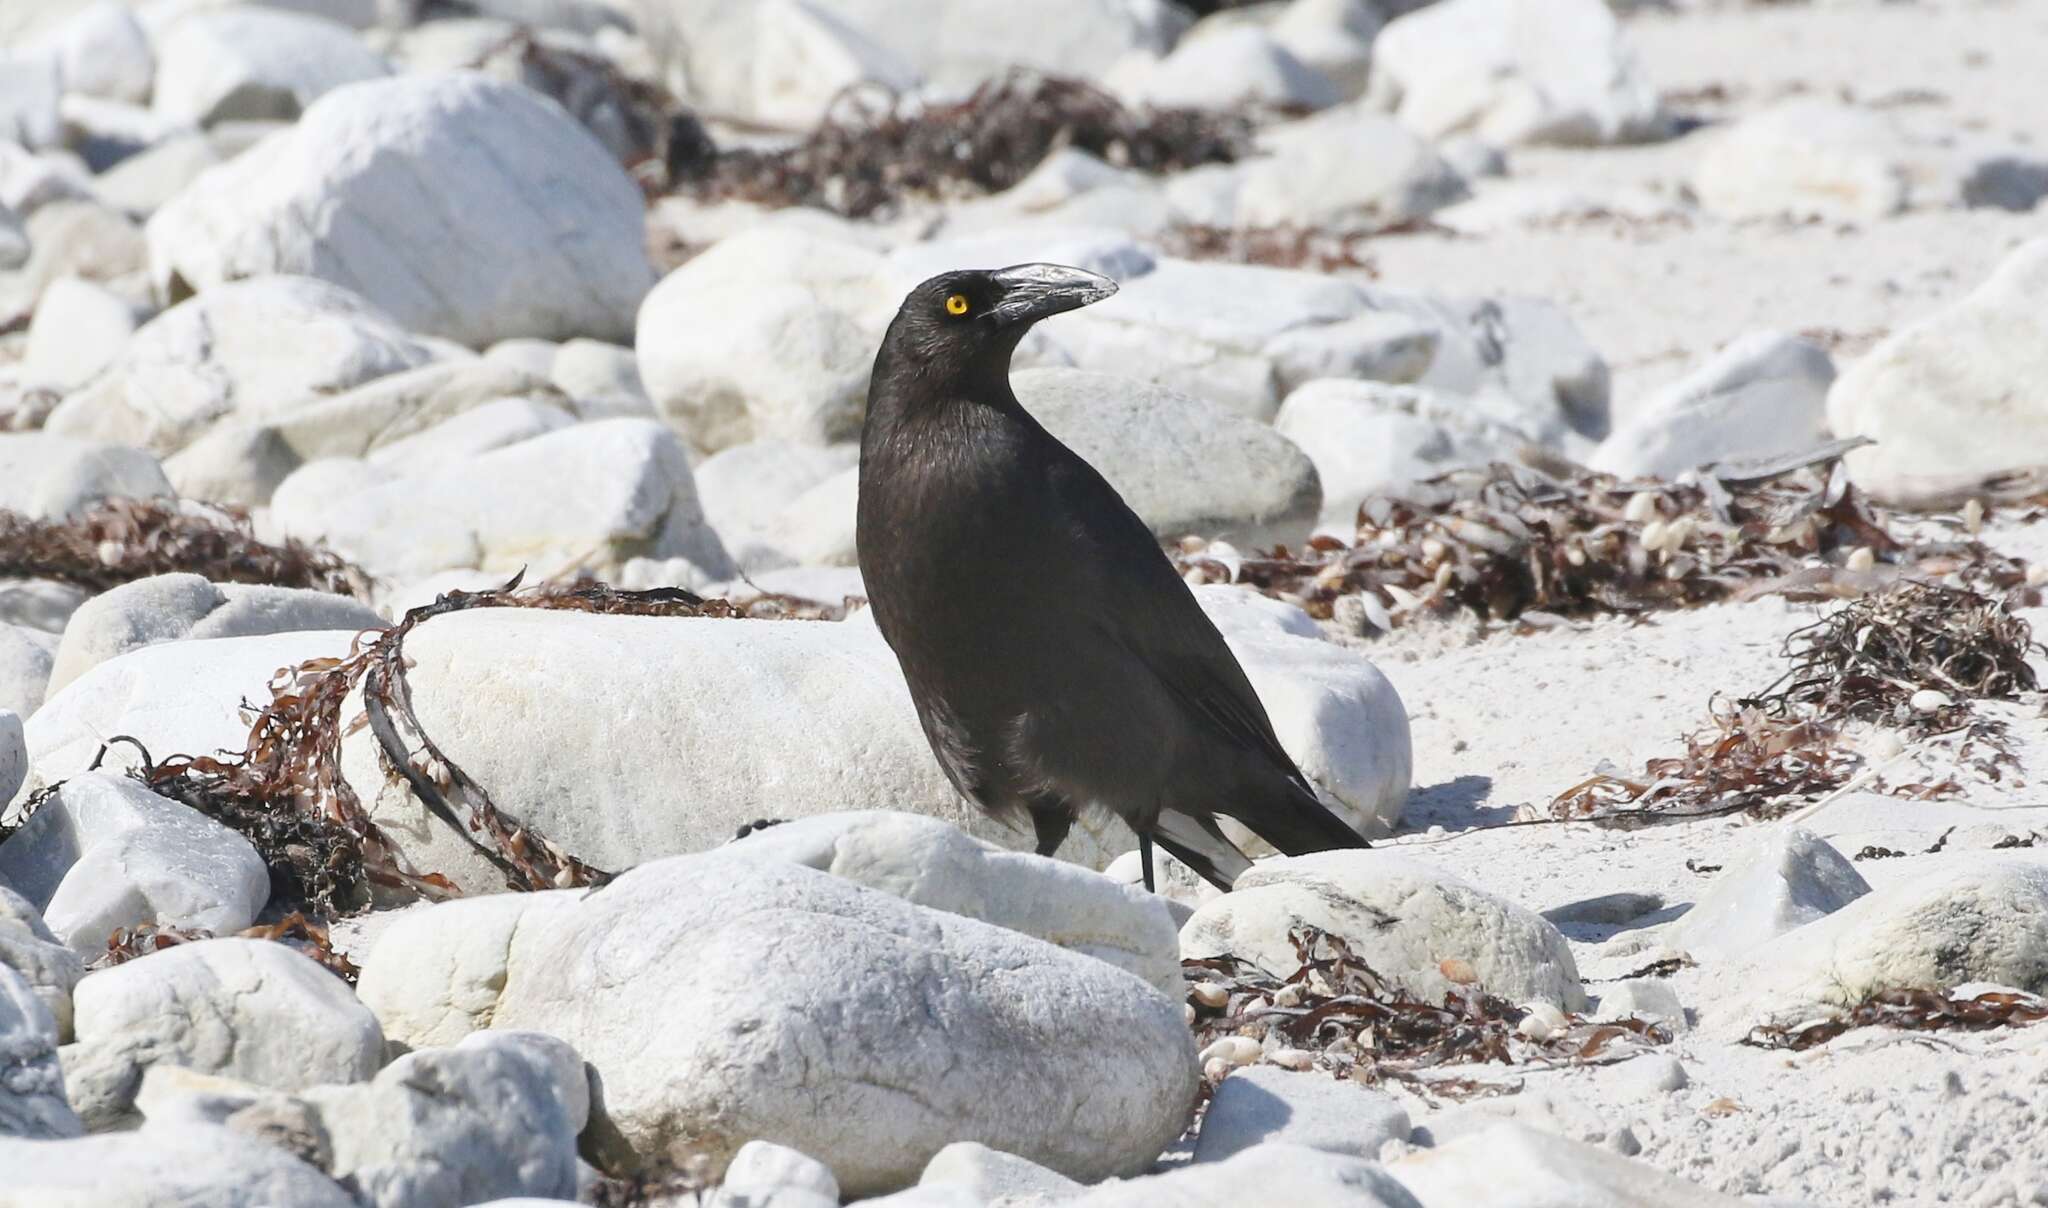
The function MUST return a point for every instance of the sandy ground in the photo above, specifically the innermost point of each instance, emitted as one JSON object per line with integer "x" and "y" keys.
{"x": 1656, "y": 298}
{"x": 1505, "y": 721}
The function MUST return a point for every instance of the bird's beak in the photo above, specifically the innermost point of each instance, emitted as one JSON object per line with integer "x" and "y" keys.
{"x": 1034, "y": 291}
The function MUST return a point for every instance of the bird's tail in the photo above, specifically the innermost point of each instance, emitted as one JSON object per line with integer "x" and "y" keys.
{"x": 1293, "y": 821}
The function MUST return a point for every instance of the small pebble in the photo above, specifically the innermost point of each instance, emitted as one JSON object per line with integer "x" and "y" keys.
{"x": 1973, "y": 515}
{"x": 1210, "y": 994}
{"x": 1232, "y": 1051}
{"x": 1293, "y": 1059}
{"x": 2037, "y": 574}
{"x": 1543, "y": 1021}
{"x": 1860, "y": 559}
{"x": 1653, "y": 535}
{"x": 1641, "y": 506}
{"x": 1929, "y": 700}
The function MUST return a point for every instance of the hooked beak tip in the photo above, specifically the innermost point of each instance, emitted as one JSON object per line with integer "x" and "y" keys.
{"x": 1038, "y": 291}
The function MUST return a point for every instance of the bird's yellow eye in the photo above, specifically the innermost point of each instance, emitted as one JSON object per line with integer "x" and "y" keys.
{"x": 957, "y": 304}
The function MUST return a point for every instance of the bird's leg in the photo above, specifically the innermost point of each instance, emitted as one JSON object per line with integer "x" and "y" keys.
{"x": 1145, "y": 860}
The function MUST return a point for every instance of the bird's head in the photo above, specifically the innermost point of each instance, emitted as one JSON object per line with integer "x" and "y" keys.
{"x": 972, "y": 319}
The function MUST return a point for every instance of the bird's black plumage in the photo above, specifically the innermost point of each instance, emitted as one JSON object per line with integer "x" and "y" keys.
{"x": 1056, "y": 658}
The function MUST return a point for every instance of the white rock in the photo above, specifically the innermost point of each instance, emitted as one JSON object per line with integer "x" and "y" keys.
{"x": 590, "y": 495}
{"x": 1276, "y": 1173}
{"x": 1984, "y": 921}
{"x": 248, "y": 349}
{"x": 184, "y": 607}
{"x": 164, "y": 1167}
{"x": 1764, "y": 394}
{"x": 1367, "y": 437}
{"x": 466, "y": 207}
{"x": 435, "y": 973}
{"x": 441, "y": 1128}
{"x": 1788, "y": 878}
{"x": 770, "y": 334}
{"x": 1514, "y": 71}
{"x": 26, "y": 656}
{"x": 763, "y": 1168}
{"x": 932, "y": 863}
{"x": 1953, "y": 398}
{"x": 1263, "y": 1105}
{"x": 103, "y": 52}
{"x": 31, "y": 180}
{"x": 1183, "y": 464}
{"x": 1346, "y": 170}
{"x": 1512, "y": 205}
{"x": 491, "y": 426}
{"x": 38, "y": 957}
{"x": 13, "y": 755}
{"x": 1402, "y": 917}
{"x": 525, "y": 354}
{"x": 14, "y": 247}
{"x": 718, "y": 48}
{"x": 70, "y": 238}
{"x": 1644, "y": 998}
{"x": 1806, "y": 157}
{"x": 79, "y": 329}
{"x": 31, "y": 81}
{"x": 596, "y": 371}
{"x": 32, "y": 1102}
{"x": 997, "y": 1179}
{"x": 249, "y": 1009}
{"x": 745, "y": 488}
{"x": 107, "y": 853}
{"x": 1336, "y": 715}
{"x": 178, "y": 697}
{"x": 247, "y": 63}
{"x": 875, "y": 1092}
{"x": 1517, "y": 1166}
{"x": 140, "y": 184}
{"x": 1332, "y": 36}
{"x": 50, "y": 477}
{"x": 1241, "y": 65}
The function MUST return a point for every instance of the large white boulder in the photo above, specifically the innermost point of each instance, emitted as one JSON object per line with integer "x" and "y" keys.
{"x": 1764, "y": 394}
{"x": 1514, "y": 1165}
{"x": 79, "y": 329}
{"x": 745, "y": 487}
{"x": 248, "y": 1009}
{"x": 50, "y": 477}
{"x": 174, "y": 698}
{"x": 26, "y": 655}
{"x": 812, "y": 1048}
{"x": 73, "y": 237}
{"x": 186, "y": 607}
{"x": 32, "y": 1102}
{"x": 752, "y": 60}
{"x": 251, "y": 350}
{"x": 1404, "y": 918}
{"x": 1345, "y": 170}
{"x": 1225, "y": 69}
{"x": 106, "y": 853}
{"x": 1984, "y": 921}
{"x": 1806, "y": 157}
{"x": 741, "y": 720}
{"x": 39, "y": 958}
{"x": 767, "y": 335}
{"x": 163, "y": 1167}
{"x": 31, "y": 85}
{"x": 248, "y": 63}
{"x": 1955, "y": 397}
{"x": 1789, "y": 878}
{"x": 1514, "y": 71}
{"x": 103, "y": 52}
{"x": 466, "y": 207}
{"x": 932, "y": 863}
{"x": 1367, "y": 437}
{"x": 590, "y": 495}
{"x": 1185, "y": 465}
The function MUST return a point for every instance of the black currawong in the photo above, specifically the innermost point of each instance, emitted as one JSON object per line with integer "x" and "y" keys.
{"x": 1056, "y": 658}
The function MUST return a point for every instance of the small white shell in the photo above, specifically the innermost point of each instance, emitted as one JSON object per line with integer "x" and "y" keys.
{"x": 1929, "y": 700}
{"x": 1209, "y": 994}
{"x": 1232, "y": 1051}
{"x": 1653, "y": 536}
{"x": 1973, "y": 515}
{"x": 1860, "y": 559}
{"x": 1641, "y": 506}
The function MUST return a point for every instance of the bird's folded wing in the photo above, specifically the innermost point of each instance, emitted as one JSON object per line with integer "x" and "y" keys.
{"x": 1206, "y": 678}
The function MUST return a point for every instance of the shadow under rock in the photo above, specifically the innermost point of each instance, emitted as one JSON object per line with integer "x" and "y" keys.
{"x": 1455, "y": 805}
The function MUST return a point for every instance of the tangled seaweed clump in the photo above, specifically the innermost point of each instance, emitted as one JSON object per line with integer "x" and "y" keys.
{"x": 120, "y": 540}
{"x": 1513, "y": 543}
{"x": 1912, "y": 1011}
{"x": 875, "y": 149}
{"x": 1334, "y": 1013}
{"x": 285, "y": 792}
{"x": 1916, "y": 657}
